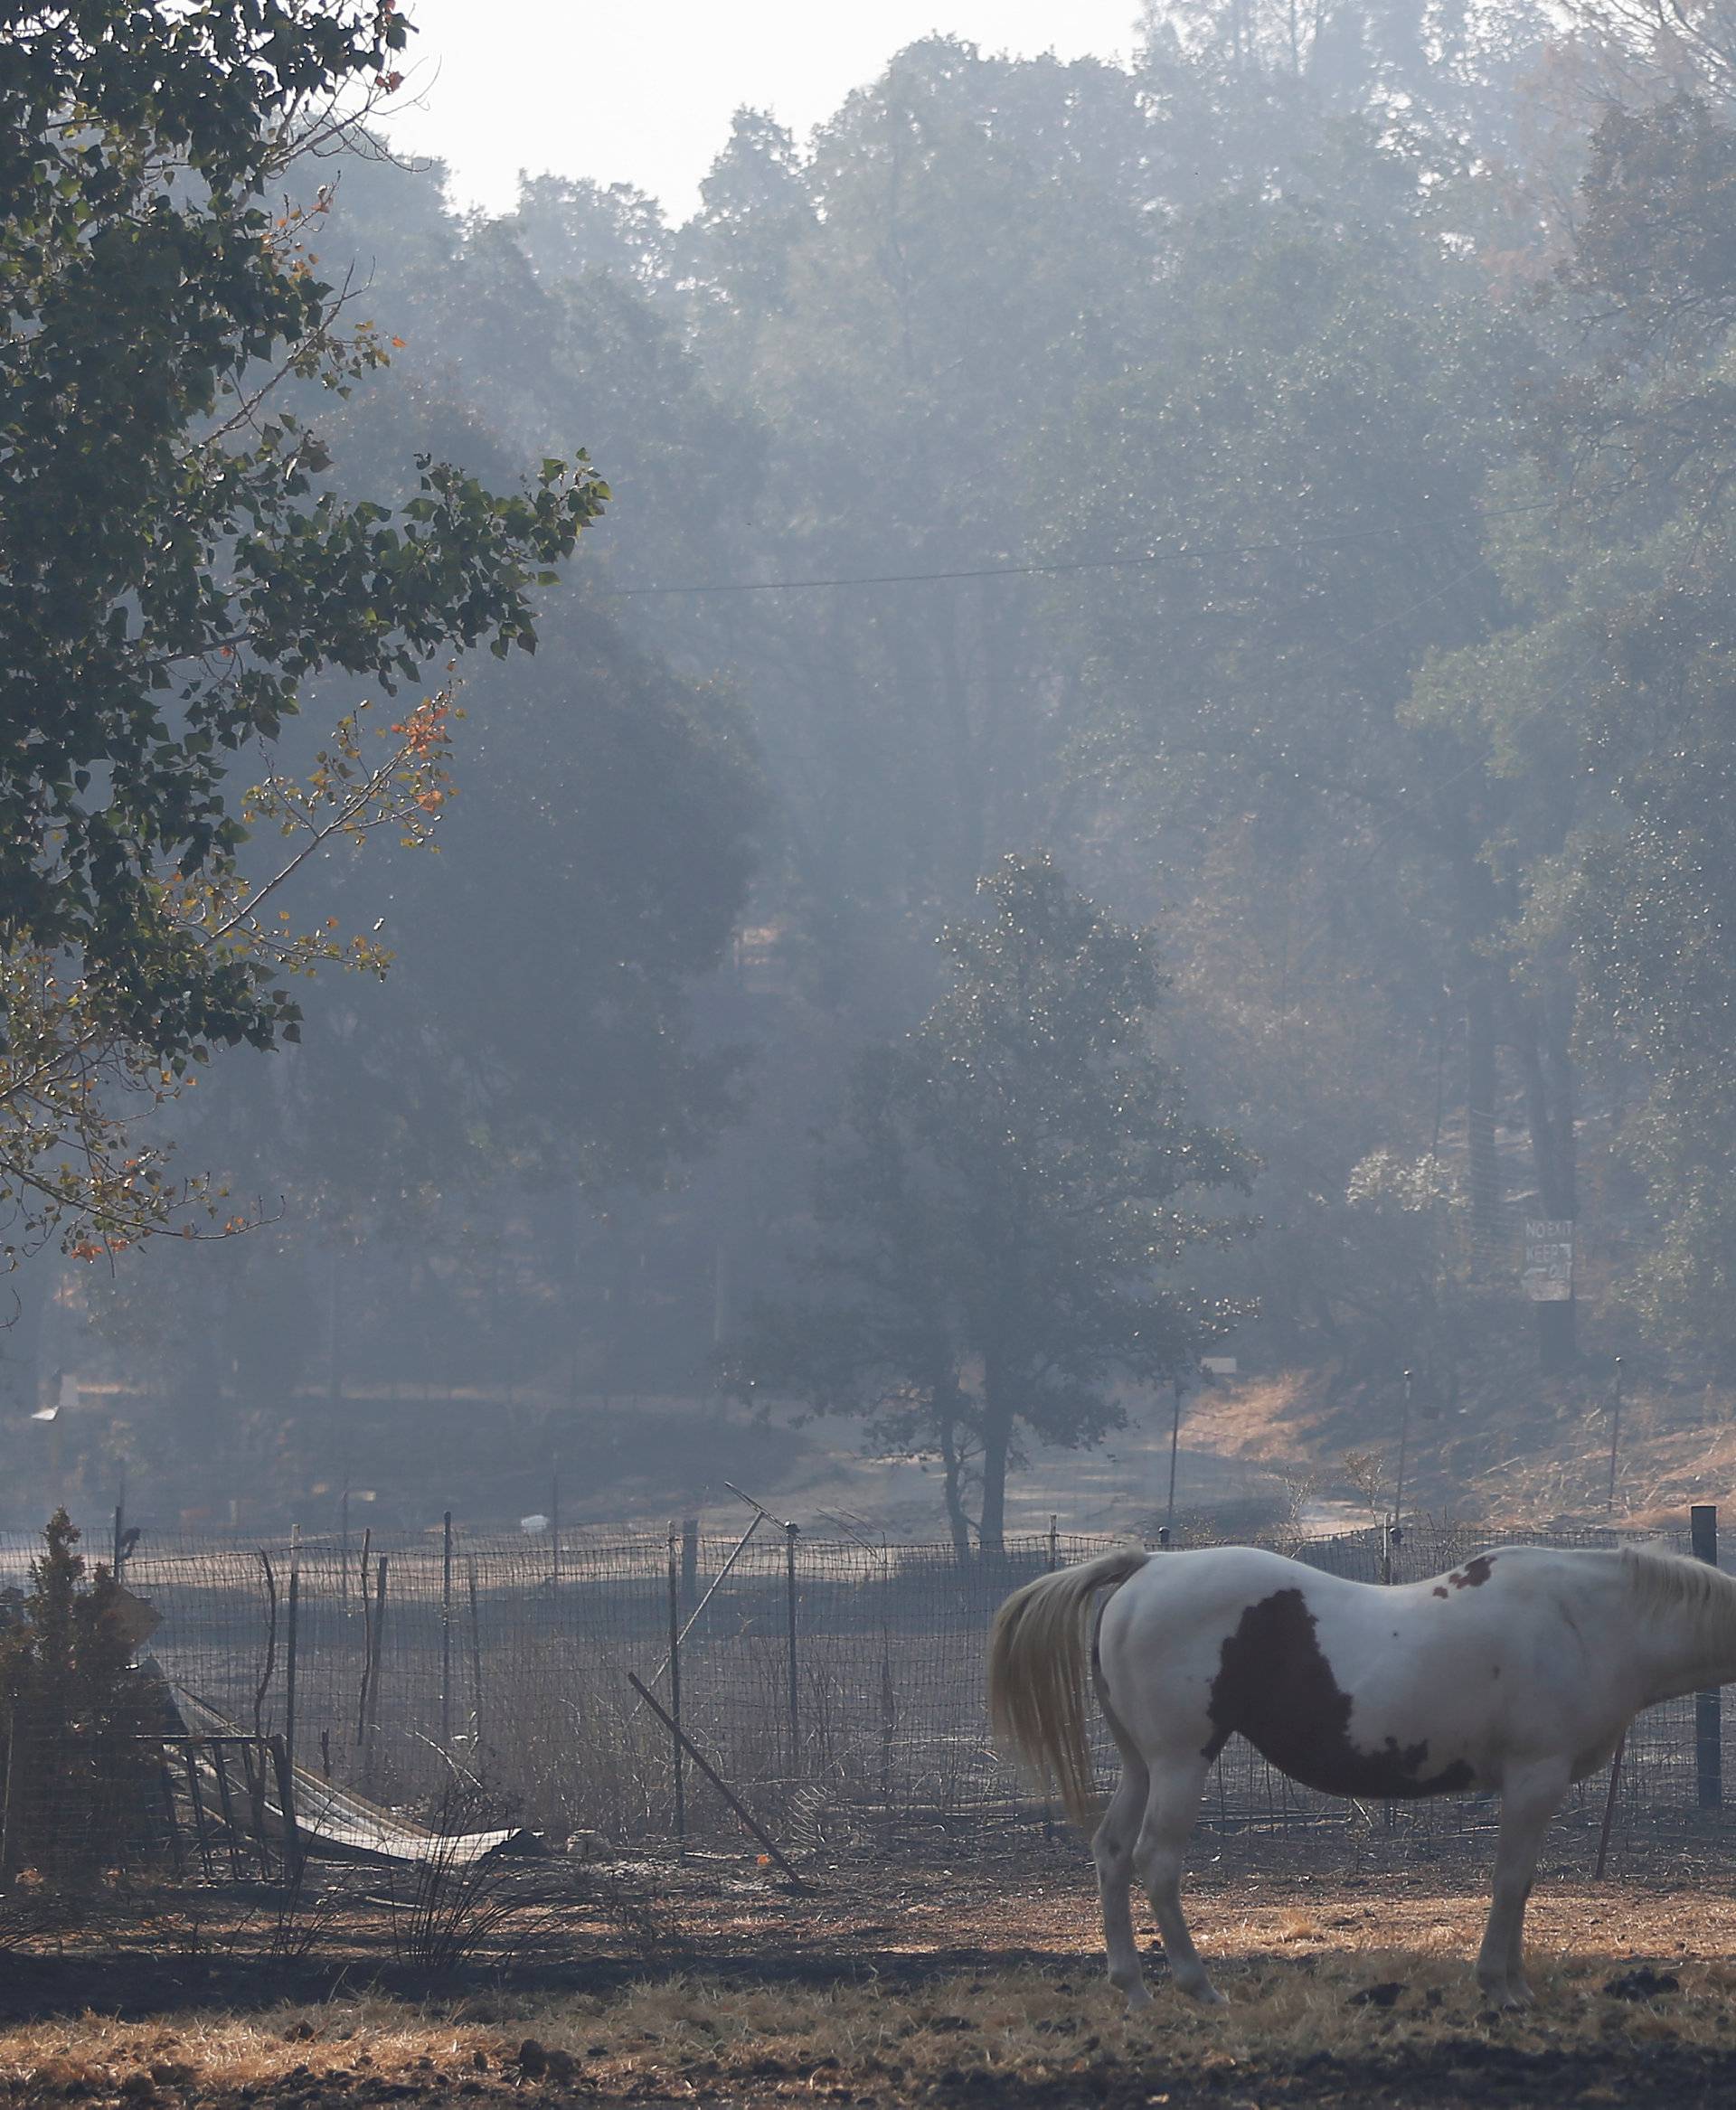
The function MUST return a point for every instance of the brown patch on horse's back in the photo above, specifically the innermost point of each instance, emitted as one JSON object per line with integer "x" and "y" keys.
{"x": 1275, "y": 1687}
{"x": 1473, "y": 1575}
{"x": 1439, "y": 1591}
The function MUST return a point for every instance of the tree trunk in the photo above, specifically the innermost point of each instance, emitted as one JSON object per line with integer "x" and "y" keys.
{"x": 958, "y": 1521}
{"x": 23, "y": 1303}
{"x": 1479, "y": 1111}
{"x": 997, "y": 1442}
{"x": 1550, "y": 1107}
{"x": 1477, "y": 911}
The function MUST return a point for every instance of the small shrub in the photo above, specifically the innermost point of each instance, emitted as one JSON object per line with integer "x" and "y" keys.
{"x": 77, "y": 1766}
{"x": 448, "y": 1907}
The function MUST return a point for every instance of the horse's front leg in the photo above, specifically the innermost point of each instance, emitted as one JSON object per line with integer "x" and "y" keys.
{"x": 1529, "y": 1799}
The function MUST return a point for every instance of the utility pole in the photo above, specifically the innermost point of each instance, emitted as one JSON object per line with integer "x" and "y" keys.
{"x": 1175, "y": 1445}
{"x": 1404, "y": 1445}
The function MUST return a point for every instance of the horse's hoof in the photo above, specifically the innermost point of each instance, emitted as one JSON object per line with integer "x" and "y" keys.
{"x": 1507, "y": 1999}
{"x": 1138, "y": 1998}
{"x": 1204, "y": 1993}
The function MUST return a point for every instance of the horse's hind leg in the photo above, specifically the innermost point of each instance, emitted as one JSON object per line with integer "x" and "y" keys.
{"x": 1172, "y": 1804}
{"x": 1112, "y": 1850}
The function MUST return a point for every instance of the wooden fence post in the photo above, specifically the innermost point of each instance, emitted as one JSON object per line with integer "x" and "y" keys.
{"x": 292, "y": 1842}
{"x": 689, "y": 1560}
{"x": 1708, "y": 1711}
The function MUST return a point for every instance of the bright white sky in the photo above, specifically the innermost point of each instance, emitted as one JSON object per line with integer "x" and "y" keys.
{"x": 642, "y": 91}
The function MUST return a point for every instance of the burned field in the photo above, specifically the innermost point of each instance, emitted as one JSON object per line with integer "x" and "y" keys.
{"x": 652, "y": 1982}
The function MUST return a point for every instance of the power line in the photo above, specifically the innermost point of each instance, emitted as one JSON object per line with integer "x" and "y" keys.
{"x": 1061, "y": 566}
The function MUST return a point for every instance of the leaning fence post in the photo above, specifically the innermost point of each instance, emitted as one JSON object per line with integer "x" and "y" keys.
{"x": 1609, "y": 1807}
{"x": 716, "y": 1779}
{"x": 675, "y": 1755}
{"x": 1708, "y": 1725}
{"x": 446, "y": 1634}
{"x": 791, "y": 1533}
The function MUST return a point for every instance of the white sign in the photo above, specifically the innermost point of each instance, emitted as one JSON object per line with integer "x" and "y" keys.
{"x": 1549, "y": 1259}
{"x": 1221, "y": 1366}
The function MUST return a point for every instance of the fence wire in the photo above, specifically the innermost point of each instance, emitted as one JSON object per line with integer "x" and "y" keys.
{"x": 836, "y": 1686}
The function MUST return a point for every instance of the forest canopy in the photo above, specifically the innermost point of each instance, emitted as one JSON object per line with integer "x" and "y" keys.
{"x": 1279, "y": 486}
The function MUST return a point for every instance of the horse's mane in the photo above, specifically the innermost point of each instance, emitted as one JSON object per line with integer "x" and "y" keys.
{"x": 1661, "y": 1580}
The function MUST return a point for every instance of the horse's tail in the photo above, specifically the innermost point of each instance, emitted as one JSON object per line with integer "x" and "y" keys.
{"x": 1039, "y": 1657}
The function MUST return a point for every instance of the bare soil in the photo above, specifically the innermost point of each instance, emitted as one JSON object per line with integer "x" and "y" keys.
{"x": 962, "y": 1987}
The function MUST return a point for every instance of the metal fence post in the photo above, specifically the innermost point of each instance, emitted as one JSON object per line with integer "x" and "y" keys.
{"x": 554, "y": 1525}
{"x": 476, "y": 1666}
{"x": 446, "y": 1634}
{"x": 676, "y": 1757}
{"x": 290, "y": 1661}
{"x": 367, "y": 1638}
{"x": 791, "y": 1533}
{"x": 373, "y": 1706}
{"x": 1054, "y": 1563}
{"x": 1708, "y": 1712}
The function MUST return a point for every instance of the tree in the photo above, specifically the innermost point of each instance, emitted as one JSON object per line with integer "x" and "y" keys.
{"x": 992, "y": 1225}
{"x": 176, "y": 575}
{"x": 1321, "y": 418}
{"x": 542, "y": 1047}
{"x": 1640, "y": 438}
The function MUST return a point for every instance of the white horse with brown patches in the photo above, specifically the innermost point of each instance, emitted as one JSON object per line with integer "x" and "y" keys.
{"x": 1515, "y": 1675}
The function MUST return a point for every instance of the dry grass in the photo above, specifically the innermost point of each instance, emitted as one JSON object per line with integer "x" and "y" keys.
{"x": 883, "y": 2028}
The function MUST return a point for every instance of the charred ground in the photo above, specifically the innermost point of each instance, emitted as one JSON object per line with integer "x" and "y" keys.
{"x": 878, "y": 1984}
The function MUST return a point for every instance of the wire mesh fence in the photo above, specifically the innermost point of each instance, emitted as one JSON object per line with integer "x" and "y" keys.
{"x": 835, "y": 1687}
